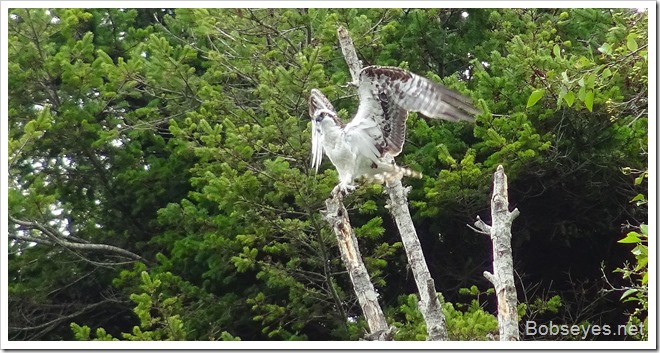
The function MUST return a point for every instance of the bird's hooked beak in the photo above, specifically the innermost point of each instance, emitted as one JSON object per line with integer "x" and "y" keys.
{"x": 319, "y": 105}
{"x": 320, "y": 115}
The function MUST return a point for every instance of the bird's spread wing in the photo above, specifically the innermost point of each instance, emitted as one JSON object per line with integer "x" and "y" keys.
{"x": 318, "y": 105}
{"x": 387, "y": 94}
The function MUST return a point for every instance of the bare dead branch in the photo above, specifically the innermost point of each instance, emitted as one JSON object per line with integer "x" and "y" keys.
{"x": 28, "y": 238}
{"x": 348, "y": 50}
{"x": 337, "y": 216}
{"x": 59, "y": 319}
{"x": 502, "y": 276}
{"x": 478, "y": 230}
{"x": 56, "y": 238}
{"x": 429, "y": 304}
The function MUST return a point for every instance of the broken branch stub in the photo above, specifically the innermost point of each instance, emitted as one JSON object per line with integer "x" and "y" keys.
{"x": 502, "y": 276}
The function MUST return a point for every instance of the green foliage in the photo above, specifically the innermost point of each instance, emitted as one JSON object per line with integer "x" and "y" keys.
{"x": 637, "y": 273}
{"x": 536, "y": 96}
{"x": 540, "y": 306}
{"x": 82, "y": 333}
{"x": 166, "y": 325}
{"x": 465, "y": 322}
{"x": 412, "y": 326}
{"x": 473, "y": 324}
{"x": 470, "y": 321}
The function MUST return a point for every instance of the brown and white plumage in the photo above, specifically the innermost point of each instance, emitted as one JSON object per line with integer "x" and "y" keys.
{"x": 361, "y": 148}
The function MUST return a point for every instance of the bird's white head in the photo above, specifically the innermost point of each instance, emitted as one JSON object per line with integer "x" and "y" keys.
{"x": 325, "y": 123}
{"x": 321, "y": 111}
{"x": 319, "y": 106}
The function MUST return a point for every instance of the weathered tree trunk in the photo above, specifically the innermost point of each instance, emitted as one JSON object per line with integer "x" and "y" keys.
{"x": 429, "y": 304}
{"x": 337, "y": 216}
{"x": 502, "y": 276}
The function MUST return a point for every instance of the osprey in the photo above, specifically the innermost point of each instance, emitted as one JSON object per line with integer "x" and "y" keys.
{"x": 365, "y": 147}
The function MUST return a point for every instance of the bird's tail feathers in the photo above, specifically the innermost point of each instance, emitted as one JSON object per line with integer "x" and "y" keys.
{"x": 394, "y": 173}
{"x": 401, "y": 172}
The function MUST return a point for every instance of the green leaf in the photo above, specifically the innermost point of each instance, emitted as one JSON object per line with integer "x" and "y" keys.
{"x": 81, "y": 333}
{"x": 522, "y": 310}
{"x": 368, "y": 207}
{"x": 556, "y": 50}
{"x": 226, "y": 336}
{"x": 445, "y": 156}
{"x": 582, "y": 62}
{"x": 606, "y": 49}
{"x": 569, "y": 97}
{"x": 589, "y": 100}
{"x": 643, "y": 54}
{"x": 639, "y": 197}
{"x": 643, "y": 261}
{"x": 628, "y": 293}
{"x": 582, "y": 93}
{"x": 535, "y": 97}
{"x": 645, "y": 229}
{"x": 590, "y": 79}
{"x": 631, "y": 43}
{"x": 631, "y": 238}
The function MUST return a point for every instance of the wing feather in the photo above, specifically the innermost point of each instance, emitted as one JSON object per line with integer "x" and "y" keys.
{"x": 388, "y": 93}
{"x": 378, "y": 121}
{"x": 418, "y": 94}
{"x": 365, "y": 138}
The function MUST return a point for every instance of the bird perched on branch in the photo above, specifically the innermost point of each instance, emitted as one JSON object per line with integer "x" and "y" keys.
{"x": 365, "y": 147}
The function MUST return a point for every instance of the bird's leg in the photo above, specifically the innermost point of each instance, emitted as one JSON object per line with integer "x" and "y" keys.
{"x": 343, "y": 188}
{"x": 346, "y": 185}
{"x": 348, "y": 188}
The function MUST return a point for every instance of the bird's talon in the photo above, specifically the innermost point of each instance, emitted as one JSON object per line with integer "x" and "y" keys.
{"x": 343, "y": 190}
